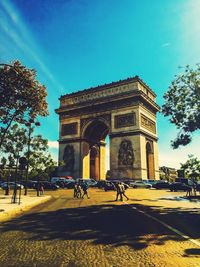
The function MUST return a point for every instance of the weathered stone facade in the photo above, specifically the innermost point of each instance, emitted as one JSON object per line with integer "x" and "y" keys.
{"x": 124, "y": 110}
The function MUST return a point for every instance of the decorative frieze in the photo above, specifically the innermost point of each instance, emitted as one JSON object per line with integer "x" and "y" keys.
{"x": 148, "y": 124}
{"x": 84, "y": 97}
{"x": 68, "y": 129}
{"x": 125, "y": 120}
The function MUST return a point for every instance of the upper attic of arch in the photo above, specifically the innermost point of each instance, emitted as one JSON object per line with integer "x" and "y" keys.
{"x": 129, "y": 86}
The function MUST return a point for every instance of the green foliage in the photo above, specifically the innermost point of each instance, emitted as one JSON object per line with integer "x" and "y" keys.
{"x": 192, "y": 167}
{"x": 182, "y": 104}
{"x": 16, "y": 145}
{"x": 22, "y": 96}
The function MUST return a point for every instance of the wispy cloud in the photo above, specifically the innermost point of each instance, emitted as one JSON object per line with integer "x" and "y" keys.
{"x": 53, "y": 144}
{"x": 12, "y": 25}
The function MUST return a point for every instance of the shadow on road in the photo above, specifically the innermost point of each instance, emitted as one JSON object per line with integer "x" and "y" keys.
{"x": 116, "y": 225}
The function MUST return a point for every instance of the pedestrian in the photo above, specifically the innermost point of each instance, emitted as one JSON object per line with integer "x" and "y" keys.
{"x": 123, "y": 189}
{"x": 188, "y": 191}
{"x": 84, "y": 186}
{"x": 41, "y": 189}
{"x": 118, "y": 190}
{"x": 77, "y": 190}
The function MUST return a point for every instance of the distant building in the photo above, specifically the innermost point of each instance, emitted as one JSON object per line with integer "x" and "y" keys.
{"x": 168, "y": 173}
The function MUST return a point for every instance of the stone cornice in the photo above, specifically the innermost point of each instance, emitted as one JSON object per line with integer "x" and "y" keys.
{"x": 106, "y": 93}
{"x": 110, "y": 85}
{"x": 106, "y": 103}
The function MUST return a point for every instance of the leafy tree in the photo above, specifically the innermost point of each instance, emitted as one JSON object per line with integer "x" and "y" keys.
{"x": 182, "y": 104}
{"x": 192, "y": 167}
{"x": 40, "y": 160}
{"x": 22, "y": 96}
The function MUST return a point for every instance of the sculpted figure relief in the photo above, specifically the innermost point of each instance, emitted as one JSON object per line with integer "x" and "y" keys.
{"x": 125, "y": 154}
{"x": 68, "y": 158}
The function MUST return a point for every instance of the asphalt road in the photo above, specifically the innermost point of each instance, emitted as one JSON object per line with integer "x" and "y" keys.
{"x": 102, "y": 232}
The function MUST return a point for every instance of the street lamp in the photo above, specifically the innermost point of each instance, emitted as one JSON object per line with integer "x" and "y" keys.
{"x": 29, "y": 124}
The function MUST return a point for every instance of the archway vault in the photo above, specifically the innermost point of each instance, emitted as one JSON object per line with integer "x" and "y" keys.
{"x": 93, "y": 145}
{"x": 124, "y": 110}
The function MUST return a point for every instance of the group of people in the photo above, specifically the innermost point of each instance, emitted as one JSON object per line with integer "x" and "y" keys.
{"x": 120, "y": 188}
{"x": 81, "y": 190}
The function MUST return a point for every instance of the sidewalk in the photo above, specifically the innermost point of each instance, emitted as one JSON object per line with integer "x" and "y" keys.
{"x": 8, "y": 210}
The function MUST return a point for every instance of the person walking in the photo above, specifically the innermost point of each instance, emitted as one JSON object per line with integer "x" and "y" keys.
{"x": 123, "y": 189}
{"x": 41, "y": 189}
{"x": 77, "y": 190}
{"x": 119, "y": 191}
{"x": 84, "y": 187}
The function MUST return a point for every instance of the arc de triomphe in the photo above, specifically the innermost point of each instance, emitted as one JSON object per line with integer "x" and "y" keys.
{"x": 124, "y": 110}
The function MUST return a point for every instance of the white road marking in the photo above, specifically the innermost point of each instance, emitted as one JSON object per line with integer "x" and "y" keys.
{"x": 167, "y": 226}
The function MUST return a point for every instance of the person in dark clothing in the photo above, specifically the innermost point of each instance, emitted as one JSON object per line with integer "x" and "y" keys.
{"x": 123, "y": 189}
{"x": 118, "y": 190}
{"x": 77, "y": 190}
{"x": 84, "y": 187}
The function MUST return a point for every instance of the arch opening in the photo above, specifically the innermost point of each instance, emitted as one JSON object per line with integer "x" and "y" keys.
{"x": 94, "y": 161}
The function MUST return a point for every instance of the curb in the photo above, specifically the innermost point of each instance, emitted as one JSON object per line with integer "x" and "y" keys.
{"x": 16, "y": 209}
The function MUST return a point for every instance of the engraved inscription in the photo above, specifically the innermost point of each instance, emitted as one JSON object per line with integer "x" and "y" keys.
{"x": 148, "y": 124}
{"x": 70, "y": 128}
{"x": 125, "y": 120}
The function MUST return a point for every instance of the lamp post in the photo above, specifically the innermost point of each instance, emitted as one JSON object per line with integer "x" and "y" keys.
{"x": 29, "y": 124}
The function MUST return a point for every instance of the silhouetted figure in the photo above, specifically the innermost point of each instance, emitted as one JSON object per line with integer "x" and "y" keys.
{"x": 77, "y": 190}
{"x": 84, "y": 186}
{"x": 123, "y": 189}
{"x": 118, "y": 190}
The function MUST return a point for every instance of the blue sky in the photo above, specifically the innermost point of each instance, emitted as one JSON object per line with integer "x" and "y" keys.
{"x": 76, "y": 44}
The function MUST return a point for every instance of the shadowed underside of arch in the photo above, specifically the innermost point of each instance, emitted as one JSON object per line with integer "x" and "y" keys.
{"x": 94, "y": 152}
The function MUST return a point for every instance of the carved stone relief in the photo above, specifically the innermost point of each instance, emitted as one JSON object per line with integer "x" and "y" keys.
{"x": 148, "y": 124}
{"x": 68, "y": 158}
{"x": 125, "y": 154}
{"x": 125, "y": 120}
{"x": 70, "y": 128}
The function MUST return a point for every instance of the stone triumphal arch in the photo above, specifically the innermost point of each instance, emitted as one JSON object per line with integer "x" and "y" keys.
{"x": 126, "y": 112}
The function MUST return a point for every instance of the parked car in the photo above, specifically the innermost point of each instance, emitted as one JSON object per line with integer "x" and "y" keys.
{"x": 152, "y": 182}
{"x": 198, "y": 186}
{"x": 70, "y": 184}
{"x": 30, "y": 183}
{"x": 11, "y": 185}
{"x": 177, "y": 186}
{"x": 60, "y": 179}
{"x": 140, "y": 184}
{"x": 46, "y": 185}
{"x": 101, "y": 183}
{"x": 109, "y": 186}
{"x": 161, "y": 185}
{"x": 91, "y": 182}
